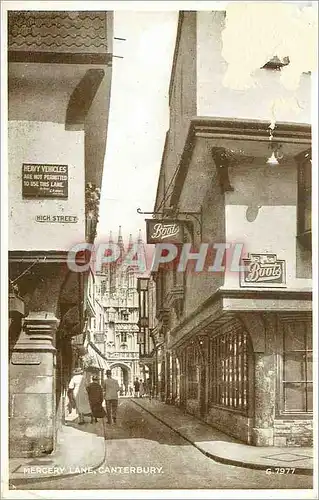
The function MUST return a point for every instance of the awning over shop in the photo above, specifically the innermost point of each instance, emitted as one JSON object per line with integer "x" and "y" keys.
{"x": 95, "y": 358}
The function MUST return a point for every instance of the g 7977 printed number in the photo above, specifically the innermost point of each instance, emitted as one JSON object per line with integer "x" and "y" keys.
{"x": 280, "y": 470}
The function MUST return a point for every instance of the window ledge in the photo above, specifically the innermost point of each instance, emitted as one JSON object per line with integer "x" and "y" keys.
{"x": 239, "y": 411}
{"x": 294, "y": 416}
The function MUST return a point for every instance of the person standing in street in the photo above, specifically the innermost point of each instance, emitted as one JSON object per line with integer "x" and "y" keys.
{"x": 142, "y": 388}
{"x": 136, "y": 387}
{"x": 78, "y": 385}
{"x": 111, "y": 390}
{"x": 148, "y": 389}
{"x": 95, "y": 393}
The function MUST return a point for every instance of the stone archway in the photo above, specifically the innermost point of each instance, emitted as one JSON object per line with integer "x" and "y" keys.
{"x": 123, "y": 374}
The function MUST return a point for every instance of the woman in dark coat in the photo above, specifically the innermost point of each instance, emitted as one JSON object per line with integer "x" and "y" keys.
{"x": 95, "y": 393}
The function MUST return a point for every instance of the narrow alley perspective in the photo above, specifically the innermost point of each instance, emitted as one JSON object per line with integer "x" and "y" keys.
{"x": 142, "y": 452}
{"x": 159, "y": 305}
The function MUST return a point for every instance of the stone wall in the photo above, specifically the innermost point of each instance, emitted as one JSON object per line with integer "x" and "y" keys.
{"x": 192, "y": 407}
{"x": 231, "y": 422}
{"x": 32, "y": 397}
{"x": 31, "y": 404}
{"x": 293, "y": 432}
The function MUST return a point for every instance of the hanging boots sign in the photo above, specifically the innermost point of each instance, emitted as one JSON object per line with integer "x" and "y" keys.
{"x": 166, "y": 231}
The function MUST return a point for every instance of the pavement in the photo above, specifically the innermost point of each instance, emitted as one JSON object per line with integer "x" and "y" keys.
{"x": 81, "y": 449}
{"x": 225, "y": 449}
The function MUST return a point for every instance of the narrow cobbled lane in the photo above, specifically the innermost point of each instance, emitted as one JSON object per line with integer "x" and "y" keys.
{"x": 143, "y": 453}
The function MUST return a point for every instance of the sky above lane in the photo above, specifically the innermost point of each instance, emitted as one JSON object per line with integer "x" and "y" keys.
{"x": 138, "y": 118}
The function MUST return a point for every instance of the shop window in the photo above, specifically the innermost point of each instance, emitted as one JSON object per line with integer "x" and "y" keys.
{"x": 297, "y": 367}
{"x": 304, "y": 199}
{"x": 229, "y": 355}
{"x": 192, "y": 373}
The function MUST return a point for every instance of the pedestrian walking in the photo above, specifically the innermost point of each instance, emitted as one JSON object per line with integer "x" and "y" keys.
{"x": 77, "y": 388}
{"x": 136, "y": 387}
{"x": 142, "y": 388}
{"x": 131, "y": 390}
{"x": 95, "y": 393}
{"x": 71, "y": 398}
{"x": 148, "y": 388}
{"x": 111, "y": 390}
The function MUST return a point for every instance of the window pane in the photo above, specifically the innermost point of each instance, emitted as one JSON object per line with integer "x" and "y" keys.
{"x": 309, "y": 396}
{"x": 294, "y": 336}
{"x": 295, "y": 396}
{"x": 294, "y": 366}
{"x": 230, "y": 372}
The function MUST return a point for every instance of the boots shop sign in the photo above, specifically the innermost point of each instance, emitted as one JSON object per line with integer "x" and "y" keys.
{"x": 44, "y": 181}
{"x": 164, "y": 231}
{"x": 263, "y": 270}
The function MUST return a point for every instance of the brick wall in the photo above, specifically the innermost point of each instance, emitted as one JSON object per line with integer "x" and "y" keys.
{"x": 293, "y": 433}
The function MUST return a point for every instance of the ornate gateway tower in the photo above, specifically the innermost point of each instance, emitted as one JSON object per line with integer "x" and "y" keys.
{"x": 117, "y": 316}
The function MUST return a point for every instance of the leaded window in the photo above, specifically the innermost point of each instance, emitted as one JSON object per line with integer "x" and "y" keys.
{"x": 229, "y": 356}
{"x": 297, "y": 367}
{"x": 192, "y": 372}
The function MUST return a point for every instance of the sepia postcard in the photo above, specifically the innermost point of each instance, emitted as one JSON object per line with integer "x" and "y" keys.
{"x": 159, "y": 249}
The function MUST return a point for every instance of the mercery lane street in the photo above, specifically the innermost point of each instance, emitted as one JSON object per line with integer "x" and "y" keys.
{"x": 143, "y": 453}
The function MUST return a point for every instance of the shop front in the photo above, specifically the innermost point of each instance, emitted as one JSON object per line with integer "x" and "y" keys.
{"x": 250, "y": 376}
